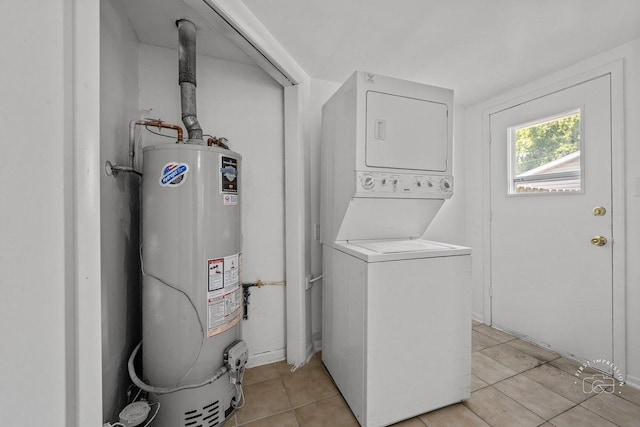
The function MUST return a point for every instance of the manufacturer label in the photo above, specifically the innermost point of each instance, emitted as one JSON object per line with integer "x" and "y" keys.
{"x": 228, "y": 175}
{"x": 173, "y": 174}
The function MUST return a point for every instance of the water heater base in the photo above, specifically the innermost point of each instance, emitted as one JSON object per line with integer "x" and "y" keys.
{"x": 207, "y": 406}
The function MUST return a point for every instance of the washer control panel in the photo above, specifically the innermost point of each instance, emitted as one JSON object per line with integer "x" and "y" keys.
{"x": 377, "y": 184}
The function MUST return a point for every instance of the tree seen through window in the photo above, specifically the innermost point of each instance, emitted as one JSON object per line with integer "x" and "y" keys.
{"x": 542, "y": 143}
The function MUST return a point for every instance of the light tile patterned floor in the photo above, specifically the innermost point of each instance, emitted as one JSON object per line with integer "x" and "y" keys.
{"x": 513, "y": 383}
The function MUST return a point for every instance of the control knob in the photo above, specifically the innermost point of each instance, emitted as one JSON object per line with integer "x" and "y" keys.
{"x": 395, "y": 181}
{"x": 368, "y": 182}
{"x": 445, "y": 185}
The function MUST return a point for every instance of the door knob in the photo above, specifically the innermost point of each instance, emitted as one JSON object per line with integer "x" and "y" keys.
{"x": 599, "y": 211}
{"x": 599, "y": 241}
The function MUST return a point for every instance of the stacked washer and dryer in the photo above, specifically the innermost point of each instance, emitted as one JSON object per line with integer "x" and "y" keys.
{"x": 396, "y": 308}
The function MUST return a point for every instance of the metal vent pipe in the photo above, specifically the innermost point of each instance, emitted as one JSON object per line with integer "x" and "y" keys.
{"x": 187, "y": 79}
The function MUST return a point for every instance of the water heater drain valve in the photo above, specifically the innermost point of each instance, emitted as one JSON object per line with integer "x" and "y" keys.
{"x": 235, "y": 359}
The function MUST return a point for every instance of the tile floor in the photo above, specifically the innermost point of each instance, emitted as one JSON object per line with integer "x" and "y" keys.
{"x": 513, "y": 384}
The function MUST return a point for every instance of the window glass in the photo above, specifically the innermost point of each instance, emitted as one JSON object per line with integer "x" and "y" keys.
{"x": 546, "y": 155}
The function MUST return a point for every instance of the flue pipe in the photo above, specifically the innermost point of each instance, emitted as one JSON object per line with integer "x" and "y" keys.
{"x": 187, "y": 79}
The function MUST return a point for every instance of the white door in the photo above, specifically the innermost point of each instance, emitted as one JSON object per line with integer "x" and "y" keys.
{"x": 551, "y": 248}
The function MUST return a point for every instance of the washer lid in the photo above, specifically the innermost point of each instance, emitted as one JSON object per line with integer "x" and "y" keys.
{"x": 398, "y": 250}
{"x": 381, "y": 218}
{"x": 399, "y": 246}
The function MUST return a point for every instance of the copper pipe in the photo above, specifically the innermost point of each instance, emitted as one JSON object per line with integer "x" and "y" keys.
{"x": 156, "y": 123}
{"x": 161, "y": 124}
{"x": 220, "y": 142}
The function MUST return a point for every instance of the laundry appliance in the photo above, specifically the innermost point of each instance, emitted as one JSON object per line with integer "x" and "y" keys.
{"x": 396, "y": 308}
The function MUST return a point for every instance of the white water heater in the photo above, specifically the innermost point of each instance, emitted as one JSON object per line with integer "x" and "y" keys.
{"x": 192, "y": 295}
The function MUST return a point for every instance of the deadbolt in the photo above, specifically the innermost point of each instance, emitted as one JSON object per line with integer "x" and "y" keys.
{"x": 599, "y": 211}
{"x": 599, "y": 241}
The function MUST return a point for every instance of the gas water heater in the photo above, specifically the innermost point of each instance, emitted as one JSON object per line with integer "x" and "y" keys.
{"x": 191, "y": 295}
{"x": 192, "y": 356}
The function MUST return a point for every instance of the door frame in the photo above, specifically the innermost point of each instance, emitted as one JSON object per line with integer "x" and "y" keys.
{"x": 240, "y": 26}
{"x": 618, "y": 193}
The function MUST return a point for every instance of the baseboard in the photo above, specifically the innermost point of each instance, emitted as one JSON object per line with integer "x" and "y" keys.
{"x": 267, "y": 357}
{"x": 477, "y": 317}
{"x": 633, "y": 381}
{"x": 311, "y": 350}
{"x": 317, "y": 342}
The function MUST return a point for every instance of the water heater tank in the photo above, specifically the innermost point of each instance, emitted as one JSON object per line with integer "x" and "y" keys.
{"x": 191, "y": 290}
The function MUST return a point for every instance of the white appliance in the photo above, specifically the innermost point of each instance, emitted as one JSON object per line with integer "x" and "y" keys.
{"x": 191, "y": 291}
{"x": 396, "y": 308}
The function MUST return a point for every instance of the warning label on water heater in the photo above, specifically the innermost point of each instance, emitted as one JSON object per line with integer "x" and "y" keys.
{"x": 230, "y": 199}
{"x": 224, "y": 294}
{"x": 216, "y": 274}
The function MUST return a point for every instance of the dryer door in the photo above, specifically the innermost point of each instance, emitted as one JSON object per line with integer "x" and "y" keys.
{"x": 406, "y": 133}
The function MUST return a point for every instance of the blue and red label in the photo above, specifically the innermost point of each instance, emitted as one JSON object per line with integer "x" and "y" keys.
{"x": 173, "y": 174}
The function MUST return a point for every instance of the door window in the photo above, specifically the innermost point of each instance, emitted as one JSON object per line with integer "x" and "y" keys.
{"x": 546, "y": 155}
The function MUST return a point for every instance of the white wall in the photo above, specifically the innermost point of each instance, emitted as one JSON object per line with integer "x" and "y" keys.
{"x": 120, "y": 205}
{"x": 448, "y": 226}
{"x": 245, "y": 105}
{"x": 473, "y": 131}
{"x": 320, "y": 92}
{"x": 36, "y": 232}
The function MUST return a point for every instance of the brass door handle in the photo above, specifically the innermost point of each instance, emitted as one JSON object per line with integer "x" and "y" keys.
{"x": 599, "y": 211}
{"x": 599, "y": 241}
